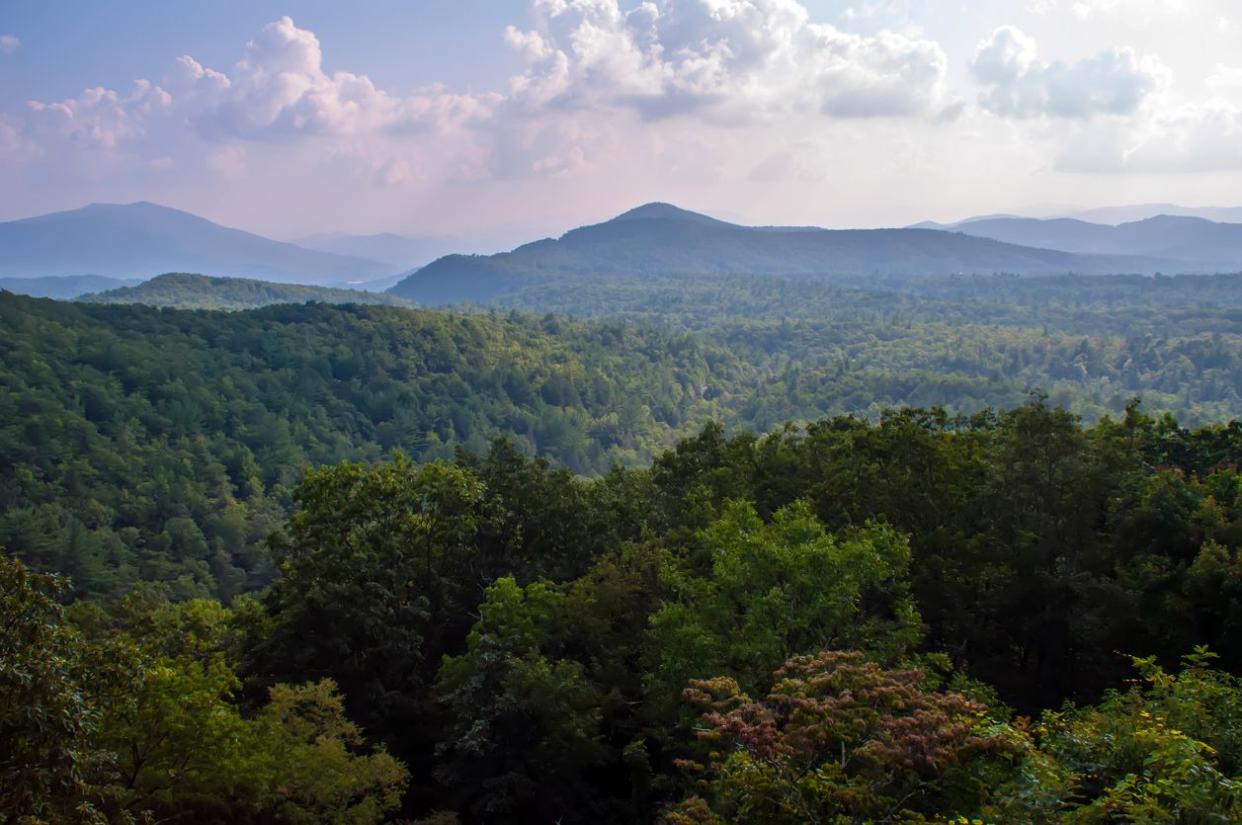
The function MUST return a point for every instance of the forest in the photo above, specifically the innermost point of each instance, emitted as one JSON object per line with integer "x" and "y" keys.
{"x": 143, "y": 444}
{"x": 186, "y": 290}
{"x": 954, "y": 551}
{"x": 1004, "y": 617}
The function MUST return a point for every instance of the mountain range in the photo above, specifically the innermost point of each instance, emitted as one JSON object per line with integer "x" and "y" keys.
{"x": 63, "y": 287}
{"x": 140, "y": 240}
{"x": 104, "y": 246}
{"x": 1195, "y": 244}
{"x": 661, "y": 239}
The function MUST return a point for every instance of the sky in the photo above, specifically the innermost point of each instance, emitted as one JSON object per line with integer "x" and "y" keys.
{"x": 515, "y": 118}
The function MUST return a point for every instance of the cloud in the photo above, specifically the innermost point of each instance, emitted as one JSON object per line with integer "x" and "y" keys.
{"x": 279, "y": 90}
{"x": 9, "y": 43}
{"x": 1225, "y": 80}
{"x": 1181, "y": 140}
{"x": 277, "y": 94}
{"x": 740, "y": 61}
{"x": 1089, "y": 9}
{"x": 98, "y": 118}
{"x": 1016, "y": 83}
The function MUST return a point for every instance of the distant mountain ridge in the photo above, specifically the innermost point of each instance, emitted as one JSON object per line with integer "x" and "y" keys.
{"x": 184, "y": 290}
{"x": 140, "y": 240}
{"x": 1196, "y": 244}
{"x": 63, "y": 287}
{"x": 662, "y": 239}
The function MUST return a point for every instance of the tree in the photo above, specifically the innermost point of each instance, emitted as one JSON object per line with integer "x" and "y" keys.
{"x": 526, "y": 725}
{"x": 1169, "y": 749}
{"x": 322, "y": 770}
{"x": 839, "y": 739}
{"x": 768, "y": 591}
{"x": 378, "y": 568}
{"x": 47, "y": 756}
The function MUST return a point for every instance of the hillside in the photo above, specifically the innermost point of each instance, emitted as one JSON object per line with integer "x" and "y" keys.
{"x": 662, "y": 240}
{"x": 140, "y": 240}
{"x": 124, "y": 426}
{"x": 189, "y": 291}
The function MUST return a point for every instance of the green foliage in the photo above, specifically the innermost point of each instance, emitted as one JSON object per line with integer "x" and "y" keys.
{"x": 46, "y": 721}
{"x": 320, "y": 768}
{"x": 1168, "y": 749}
{"x": 526, "y": 727}
{"x": 138, "y": 718}
{"x": 376, "y": 565}
{"x": 138, "y": 444}
{"x": 184, "y": 290}
{"x": 772, "y": 590}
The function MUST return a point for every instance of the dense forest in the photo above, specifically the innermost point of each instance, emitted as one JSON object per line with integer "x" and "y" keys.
{"x": 1007, "y": 617}
{"x": 160, "y": 445}
{"x": 729, "y": 551}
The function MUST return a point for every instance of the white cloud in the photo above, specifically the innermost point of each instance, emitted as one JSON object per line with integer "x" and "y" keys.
{"x": 98, "y": 118}
{"x": 1180, "y": 140}
{"x": 9, "y": 43}
{"x": 1225, "y": 80}
{"x": 1017, "y": 83}
{"x": 734, "y": 60}
{"x": 279, "y": 89}
{"x": 277, "y": 93}
{"x": 1089, "y": 9}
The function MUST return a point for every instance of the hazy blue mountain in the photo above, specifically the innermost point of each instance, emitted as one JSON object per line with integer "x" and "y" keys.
{"x": 1143, "y": 211}
{"x": 185, "y": 290}
{"x": 1198, "y": 245}
{"x": 62, "y": 287}
{"x": 400, "y": 252}
{"x": 660, "y": 239}
{"x": 143, "y": 239}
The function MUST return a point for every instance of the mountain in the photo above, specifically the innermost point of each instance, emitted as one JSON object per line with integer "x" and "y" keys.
{"x": 661, "y": 239}
{"x": 1143, "y": 211}
{"x": 64, "y": 287}
{"x": 1195, "y": 244}
{"x": 145, "y": 239}
{"x": 189, "y": 291}
{"x": 400, "y": 252}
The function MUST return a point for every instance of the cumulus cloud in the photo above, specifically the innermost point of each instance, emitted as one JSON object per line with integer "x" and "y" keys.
{"x": 98, "y": 118}
{"x": 9, "y": 43}
{"x": 1017, "y": 83}
{"x": 279, "y": 89}
{"x": 736, "y": 60}
{"x": 277, "y": 93}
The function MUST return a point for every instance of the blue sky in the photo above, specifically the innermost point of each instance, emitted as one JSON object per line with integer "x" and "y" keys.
{"x": 529, "y": 116}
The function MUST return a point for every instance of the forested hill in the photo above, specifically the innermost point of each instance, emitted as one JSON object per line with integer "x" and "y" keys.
{"x": 662, "y": 240}
{"x": 161, "y": 444}
{"x": 156, "y": 443}
{"x": 190, "y": 291}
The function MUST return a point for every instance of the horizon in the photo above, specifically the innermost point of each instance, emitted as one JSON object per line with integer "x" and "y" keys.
{"x": 521, "y": 119}
{"x": 497, "y": 243}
